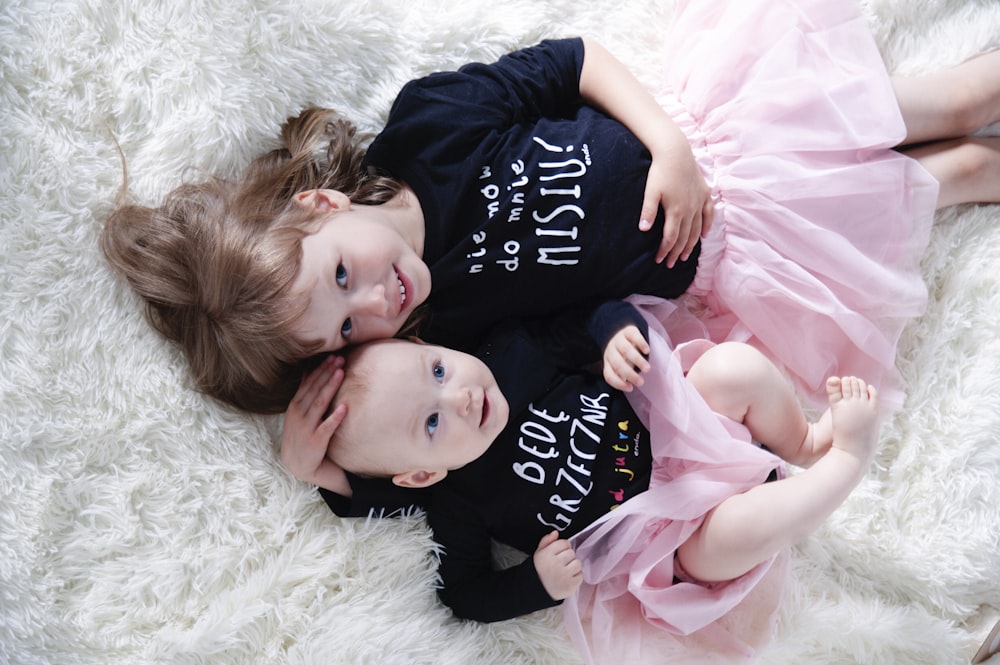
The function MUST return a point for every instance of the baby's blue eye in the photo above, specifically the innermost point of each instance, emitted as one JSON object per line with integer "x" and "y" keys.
{"x": 345, "y": 330}
{"x": 438, "y": 371}
{"x": 341, "y": 276}
{"x": 432, "y": 424}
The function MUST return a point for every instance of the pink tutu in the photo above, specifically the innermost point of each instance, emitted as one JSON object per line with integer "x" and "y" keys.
{"x": 813, "y": 258}
{"x": 814, "y": 254}
{"x": 630, "y": 609}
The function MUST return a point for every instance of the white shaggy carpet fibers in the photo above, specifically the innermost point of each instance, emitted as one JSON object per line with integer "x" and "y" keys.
{"x": 142, "y": 523}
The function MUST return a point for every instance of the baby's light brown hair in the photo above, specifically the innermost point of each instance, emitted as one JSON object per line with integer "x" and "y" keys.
{"x": 347, "y": 446}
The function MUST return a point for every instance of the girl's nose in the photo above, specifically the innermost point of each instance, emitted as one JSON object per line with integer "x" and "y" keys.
{"x": 374, "y": 302}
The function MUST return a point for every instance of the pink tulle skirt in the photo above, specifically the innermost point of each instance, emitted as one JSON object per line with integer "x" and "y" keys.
{"x": 813, "y": 259}
{"x": 630, "y": 608}
{"x": 814, "y": 254}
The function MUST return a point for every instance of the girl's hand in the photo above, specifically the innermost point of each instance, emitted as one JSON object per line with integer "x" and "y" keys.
{"x": 557, "y": 566}
{"x": 674, "y": 179}
{"x": 307, "y": 428}
{"x": 676, "y": 183}
{"x": 625, "y": 359}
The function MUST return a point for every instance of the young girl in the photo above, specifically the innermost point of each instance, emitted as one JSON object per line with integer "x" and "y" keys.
{"x": 765, "y": 163}
{"x": 661, "y": 511}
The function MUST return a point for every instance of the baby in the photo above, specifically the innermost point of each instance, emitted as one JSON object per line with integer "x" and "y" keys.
{"x": 518, "y": 448}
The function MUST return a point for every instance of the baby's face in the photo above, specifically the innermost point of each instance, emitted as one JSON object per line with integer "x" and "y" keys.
{"x": 361, "y": 278}
{"x": 428, "y": 408}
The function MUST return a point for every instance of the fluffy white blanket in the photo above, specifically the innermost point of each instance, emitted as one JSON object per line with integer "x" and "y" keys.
{"x": 143, "y": 523}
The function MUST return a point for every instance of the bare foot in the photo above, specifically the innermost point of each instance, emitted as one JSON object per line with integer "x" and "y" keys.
{"x": 854, "y": 416}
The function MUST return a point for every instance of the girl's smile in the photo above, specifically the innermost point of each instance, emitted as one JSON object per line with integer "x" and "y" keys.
{"x": 361, "y": 277}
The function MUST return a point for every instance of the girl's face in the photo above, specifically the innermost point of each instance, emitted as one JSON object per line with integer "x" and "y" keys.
{"x": 362, "y": 279}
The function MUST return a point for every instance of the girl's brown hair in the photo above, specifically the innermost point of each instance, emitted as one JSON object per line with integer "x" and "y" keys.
{"x": 215, "y": 263}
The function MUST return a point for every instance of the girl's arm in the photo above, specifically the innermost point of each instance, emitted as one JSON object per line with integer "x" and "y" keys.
{"x": 307, "y": 429}
{"x": 305, "y": 437}
{"x": 674, "y": 181}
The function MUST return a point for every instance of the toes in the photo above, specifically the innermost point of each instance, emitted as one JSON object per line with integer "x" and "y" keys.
{"x": 859, "y": 389}
{"x": 834, "y": 389}
{"x": 839, "y": 388}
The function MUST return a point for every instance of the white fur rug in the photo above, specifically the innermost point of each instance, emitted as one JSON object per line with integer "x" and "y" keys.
{"x": 141, "y": 523}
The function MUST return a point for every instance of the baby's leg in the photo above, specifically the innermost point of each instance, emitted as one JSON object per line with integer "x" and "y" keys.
{"x": 950, "y": 103}
{"x": 737, "y": 381}
{"x": 749, "y": 528}
{"x": 967, "y": 168}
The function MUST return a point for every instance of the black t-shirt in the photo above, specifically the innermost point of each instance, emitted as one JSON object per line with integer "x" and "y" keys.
{"x": 572, "y": 450}
{"x": 531, "y": 199}
{"x": 572, "y": 453}
{"x": 568, "y": 341}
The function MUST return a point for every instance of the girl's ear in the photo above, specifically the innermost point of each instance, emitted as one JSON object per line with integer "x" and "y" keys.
{"x": 418, "y": 479}
{"x": 322, "y": 200}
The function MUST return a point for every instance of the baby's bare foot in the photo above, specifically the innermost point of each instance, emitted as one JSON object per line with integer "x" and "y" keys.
{"x": 854, "y": 416}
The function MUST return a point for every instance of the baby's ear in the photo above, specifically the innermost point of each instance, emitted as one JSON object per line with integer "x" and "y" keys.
{"x": 418, "y": 479}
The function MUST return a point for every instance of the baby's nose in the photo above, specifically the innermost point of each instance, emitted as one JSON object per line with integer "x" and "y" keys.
{"x": 460, "y": 399}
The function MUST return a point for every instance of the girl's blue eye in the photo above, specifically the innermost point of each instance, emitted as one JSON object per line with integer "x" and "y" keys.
{"x": 341, "y": 276}
{"x": 345, "y": 330}
{"x": 432, "y": 424}
{"x": 438, "y": 371}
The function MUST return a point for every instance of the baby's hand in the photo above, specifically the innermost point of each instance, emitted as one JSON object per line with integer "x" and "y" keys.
{"x": 557, "y": 566}
{"x": 625, "y": 359}
{"x": 676, "y": 183}
{"x": 307, "y": 429}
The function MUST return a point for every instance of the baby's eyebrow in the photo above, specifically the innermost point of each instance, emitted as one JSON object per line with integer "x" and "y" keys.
{"x": 425, "y": 365}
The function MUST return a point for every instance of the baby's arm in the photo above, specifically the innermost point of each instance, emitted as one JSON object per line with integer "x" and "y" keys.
{"x": 557, "y": 566}
{"x": 674, "y": 180}
{"x": 471, "y": 585}
{"x": 625, "y": 359}
{"x": 307, "y": 429}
